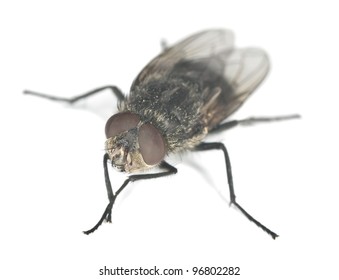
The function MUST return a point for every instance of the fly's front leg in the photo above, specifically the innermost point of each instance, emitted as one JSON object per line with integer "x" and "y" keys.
{"x": 117, "y": 92}
{"x": 219, "y": 146}
{"x": 107, "y": 215}
{"x": 251, "y": 121}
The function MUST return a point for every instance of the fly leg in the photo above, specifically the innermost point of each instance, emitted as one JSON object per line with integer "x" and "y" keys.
{"x": 219, "y": 146}
{"x": 251, "y": 121}
{"x": 107, "y": 216}
{"x": 115, "y": 90}
{"x": 164, "y": 45}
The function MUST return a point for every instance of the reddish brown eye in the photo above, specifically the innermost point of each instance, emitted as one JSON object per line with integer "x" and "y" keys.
{"x": 121, "y": 122}
{"x": 152, "y": 145}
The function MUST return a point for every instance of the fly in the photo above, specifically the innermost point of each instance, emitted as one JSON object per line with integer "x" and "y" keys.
{"x": 180, "y": 97}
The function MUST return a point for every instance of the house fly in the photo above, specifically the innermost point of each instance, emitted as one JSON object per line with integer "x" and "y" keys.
{"x": 180, "y": 97}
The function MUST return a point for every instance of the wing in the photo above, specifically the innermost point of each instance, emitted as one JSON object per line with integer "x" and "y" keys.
{"x": 227, "y": 75}
{"x": 243, "y": 70}
{"x": 201, "y": 45}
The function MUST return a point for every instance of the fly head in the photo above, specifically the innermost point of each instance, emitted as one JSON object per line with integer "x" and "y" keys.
{"x": 133, "y": 145}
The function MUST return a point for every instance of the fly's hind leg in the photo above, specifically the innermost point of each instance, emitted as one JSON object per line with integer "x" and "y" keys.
{"x": 117, "y": 92}
{"x": 251, "y": 121}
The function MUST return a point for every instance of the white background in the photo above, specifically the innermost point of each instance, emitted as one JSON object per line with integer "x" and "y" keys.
{"x": 52, "y": 184}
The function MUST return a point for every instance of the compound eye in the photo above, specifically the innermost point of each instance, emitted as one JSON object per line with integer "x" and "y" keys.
{"x": 121, "y": 122}
{"x": 152, "y": 145}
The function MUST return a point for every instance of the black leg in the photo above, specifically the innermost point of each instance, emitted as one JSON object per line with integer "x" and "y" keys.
{"x": 164, "y": 45}
{"x": 71, "y": 100}
{"x": 112, "y": 197}
{"x": 220, "y": 146}
{"x": 251, "y": 121}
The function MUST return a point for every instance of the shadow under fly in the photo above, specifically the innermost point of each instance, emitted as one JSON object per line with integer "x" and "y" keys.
{"x": 182, "y": 95}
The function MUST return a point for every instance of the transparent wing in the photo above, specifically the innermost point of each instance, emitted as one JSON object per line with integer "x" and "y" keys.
{"x": 200, "y": 45}
{"x": 244, "y": 70}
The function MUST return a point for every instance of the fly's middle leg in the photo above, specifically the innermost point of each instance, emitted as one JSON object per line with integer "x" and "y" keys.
{"x": 219, "y": 146}
{"x": 117, "y": 92}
